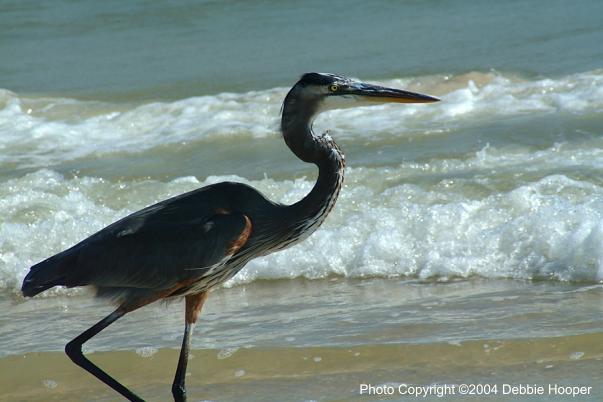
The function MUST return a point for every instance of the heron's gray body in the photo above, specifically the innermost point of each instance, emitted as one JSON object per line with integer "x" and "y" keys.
{"x": 184, "y": 240}
{"x": 177, "y": 240}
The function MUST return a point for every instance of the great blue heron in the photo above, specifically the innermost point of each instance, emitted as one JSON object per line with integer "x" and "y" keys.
{"x": 191, "y": 243}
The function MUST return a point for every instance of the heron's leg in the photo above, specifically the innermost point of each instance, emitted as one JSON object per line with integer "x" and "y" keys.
{"x": 74, "y": 351}
{"x": 193, "y": 307}
{"x": 178, "y": 387}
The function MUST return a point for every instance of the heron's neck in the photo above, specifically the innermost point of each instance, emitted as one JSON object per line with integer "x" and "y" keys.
{"x": 324, "y": 153}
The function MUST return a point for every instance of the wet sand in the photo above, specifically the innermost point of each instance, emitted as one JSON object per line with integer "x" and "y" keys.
{"x": 317, "y": 340}
{"x": 309, "y": 373}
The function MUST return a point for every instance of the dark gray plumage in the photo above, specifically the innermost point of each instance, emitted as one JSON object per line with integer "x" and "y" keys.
{"x": 188, "y": 244}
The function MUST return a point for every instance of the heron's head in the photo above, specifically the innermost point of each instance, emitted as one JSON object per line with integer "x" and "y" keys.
{"x": 318, "y": 92}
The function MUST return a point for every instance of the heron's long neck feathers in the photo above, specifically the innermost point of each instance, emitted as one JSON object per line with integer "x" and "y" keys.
{"x": 296, "y": 123}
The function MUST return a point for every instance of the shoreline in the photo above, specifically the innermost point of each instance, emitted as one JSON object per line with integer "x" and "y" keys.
{"x": 218, "y": 375}
{"x": 317, "y": 340}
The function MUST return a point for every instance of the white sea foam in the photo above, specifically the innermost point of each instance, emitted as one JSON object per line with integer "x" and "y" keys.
{"x": 501, "y": 212}
{"x": 226, "y": 353}
{"x": 528, "y": 232}
{"x": 146, "y": 351}
{"x": 55, "y": 132}
{"x": 549, "y": 227}
{"x": 38, "y": 132}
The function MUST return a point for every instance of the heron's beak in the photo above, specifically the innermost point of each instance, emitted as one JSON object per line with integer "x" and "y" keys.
{"x": 377, "y": 94}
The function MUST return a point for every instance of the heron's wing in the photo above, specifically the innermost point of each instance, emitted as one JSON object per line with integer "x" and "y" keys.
{"x": 166, "y": 243}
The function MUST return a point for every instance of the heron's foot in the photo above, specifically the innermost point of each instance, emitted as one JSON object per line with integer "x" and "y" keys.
{"x": 179, "y": 392}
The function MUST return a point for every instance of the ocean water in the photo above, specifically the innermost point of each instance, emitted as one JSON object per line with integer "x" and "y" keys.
{"x": 500, "y": 180}
{"x": 468, "y": 228}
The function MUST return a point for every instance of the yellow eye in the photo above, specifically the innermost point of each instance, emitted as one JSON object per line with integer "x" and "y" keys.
{"x": 333, "y": 87}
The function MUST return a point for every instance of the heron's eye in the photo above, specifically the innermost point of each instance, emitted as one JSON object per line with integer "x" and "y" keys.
{"x": 333, "y": 87}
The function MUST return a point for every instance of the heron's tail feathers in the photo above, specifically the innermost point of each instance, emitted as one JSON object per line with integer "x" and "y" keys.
{"x": 44, "y": 275}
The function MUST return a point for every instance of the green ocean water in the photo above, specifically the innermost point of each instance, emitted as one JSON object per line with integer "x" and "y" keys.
{"x": 168, "y": 50}
{"x": 466, "y": 243}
